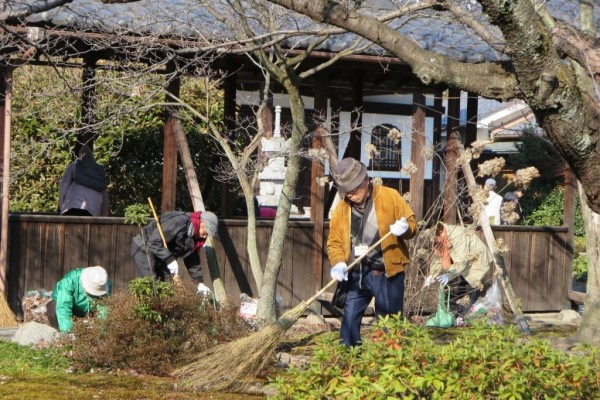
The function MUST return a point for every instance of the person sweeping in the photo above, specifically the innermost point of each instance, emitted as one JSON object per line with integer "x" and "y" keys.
{"x": 366, "y": 214}
{"x": 230, "y": 365}
{"x": 184, "y": 234}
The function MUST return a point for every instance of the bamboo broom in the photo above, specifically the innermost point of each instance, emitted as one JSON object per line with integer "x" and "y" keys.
{"x": 7, "y": 318}
{"x": 230, "y": 366}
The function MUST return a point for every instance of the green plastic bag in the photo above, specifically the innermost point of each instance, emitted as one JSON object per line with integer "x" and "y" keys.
{"x": 443, "y": 318}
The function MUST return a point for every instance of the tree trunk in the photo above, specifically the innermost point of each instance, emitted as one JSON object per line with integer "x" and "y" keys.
{"x": 267, "y": 312}
{"x": 589, "y": 329}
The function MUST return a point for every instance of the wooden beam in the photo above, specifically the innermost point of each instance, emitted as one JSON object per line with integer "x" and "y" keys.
{"x": 317, "y": 192}
{"x": 229, "y": 117}
{"x": 417, "y": 179}
{"x": 472, "y": 115}
{"x": 169, "y": 182}
{"x": 452, "y": 143}
{"x": 6, "y": 78}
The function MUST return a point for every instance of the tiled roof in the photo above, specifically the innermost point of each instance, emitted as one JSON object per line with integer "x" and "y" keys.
{"x": 190, "y": 19}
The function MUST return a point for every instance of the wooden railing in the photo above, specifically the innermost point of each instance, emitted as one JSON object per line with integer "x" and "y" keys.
{"x": 42, "y": 248}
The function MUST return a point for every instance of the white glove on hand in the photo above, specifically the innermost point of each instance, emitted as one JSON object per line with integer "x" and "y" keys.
{"x": 339, "y": 273}
{"x": 399, "y": 227}
{"x": 173, "y": 267}
{"x": 203, "y": 290}
{"x": 428, "y": 281}
{"x": 443, "y": 279}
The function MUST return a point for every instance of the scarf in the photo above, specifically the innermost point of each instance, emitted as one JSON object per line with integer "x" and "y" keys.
{"x": 195, "y": 219}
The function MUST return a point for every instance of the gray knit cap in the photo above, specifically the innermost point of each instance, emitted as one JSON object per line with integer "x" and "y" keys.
{"x": 348, "y": 174}
{"x": 211, "y": 223}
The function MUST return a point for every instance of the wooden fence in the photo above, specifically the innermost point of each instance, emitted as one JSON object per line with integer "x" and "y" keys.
{"x": 42, "y": 248}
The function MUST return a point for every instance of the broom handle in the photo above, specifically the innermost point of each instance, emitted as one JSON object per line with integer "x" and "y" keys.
{"x": 348, "y": 268}
{"x": 162, "y": 235}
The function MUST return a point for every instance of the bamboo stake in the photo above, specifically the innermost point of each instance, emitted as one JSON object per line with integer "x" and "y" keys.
{"x": 484, "y": 222}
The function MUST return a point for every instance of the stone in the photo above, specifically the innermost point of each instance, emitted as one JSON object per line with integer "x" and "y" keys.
{"x": 35, "y": 334}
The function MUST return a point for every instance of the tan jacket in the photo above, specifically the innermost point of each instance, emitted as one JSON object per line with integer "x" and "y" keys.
{"x": 389, "y": 207}
{"x": 470, "y": 256}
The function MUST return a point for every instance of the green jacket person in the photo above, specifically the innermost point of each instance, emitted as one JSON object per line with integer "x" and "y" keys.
{"x": 75, "y": 295}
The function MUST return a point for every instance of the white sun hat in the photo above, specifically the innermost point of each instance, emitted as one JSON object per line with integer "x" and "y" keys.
{"x": 94, "y": 280}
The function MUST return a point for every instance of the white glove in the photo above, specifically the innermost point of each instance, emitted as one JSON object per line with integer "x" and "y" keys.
{"x": 443, "y": 279}
{"x": 173, "y": 267}
{"x": 428, "y": 281}
{"x": 399, "y": 227}
{"x": 203, "y": 290}
{"x": 339, "y": 273}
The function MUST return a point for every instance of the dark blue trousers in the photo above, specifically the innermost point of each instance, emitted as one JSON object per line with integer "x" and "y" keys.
{"x": 389, "y": 299}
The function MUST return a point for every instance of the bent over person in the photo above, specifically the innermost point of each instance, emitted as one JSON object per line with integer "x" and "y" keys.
{"x": 75, "y": 295}
{"x": 185, "y": 233}
{"x": 366, "y": 214}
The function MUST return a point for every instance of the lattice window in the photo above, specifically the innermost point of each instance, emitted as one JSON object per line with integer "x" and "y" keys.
{"x": 388, "y": 147}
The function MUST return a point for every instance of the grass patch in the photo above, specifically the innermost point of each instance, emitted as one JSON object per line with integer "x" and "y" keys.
{"x": 15, "y": 359}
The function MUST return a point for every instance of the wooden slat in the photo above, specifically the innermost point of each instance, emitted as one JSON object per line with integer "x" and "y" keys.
{"x": 35, "y": 274}
{"x": 124, "y": 268}
{"x": 76, "y": 246}
{"x": 538, "y": 274}
{"x": 52, "y": 255}
{"x": 519, "y": 266}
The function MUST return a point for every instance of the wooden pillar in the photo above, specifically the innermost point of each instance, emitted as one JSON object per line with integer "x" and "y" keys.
{"x": 472, "y": 116}
{"x": 317, "y": 192}
{"x": 229, "y": 117}
{"x": 354, "y": 147}
{"x": 6, "y": 101}
{"x": 417, "y": 179}
{"x": 437, "y": 140}
{"x": 169, "y": 181}
{"x": 88, "y": 105}
{"x": 453, "y": 140}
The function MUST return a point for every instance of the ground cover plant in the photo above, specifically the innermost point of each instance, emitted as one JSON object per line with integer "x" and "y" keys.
{"x": 403, "y": 360}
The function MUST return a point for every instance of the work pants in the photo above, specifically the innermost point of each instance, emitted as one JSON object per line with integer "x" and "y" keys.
{"x": 389, "y": 300}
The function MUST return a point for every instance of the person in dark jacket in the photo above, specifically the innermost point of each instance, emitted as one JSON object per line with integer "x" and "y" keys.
{"x": 76, "y": 294}
{"x": 185, "y": 233}
{"x": 83, "y": 186}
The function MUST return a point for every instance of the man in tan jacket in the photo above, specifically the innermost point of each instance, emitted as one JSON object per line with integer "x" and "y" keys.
{"x": 366, "y": 214}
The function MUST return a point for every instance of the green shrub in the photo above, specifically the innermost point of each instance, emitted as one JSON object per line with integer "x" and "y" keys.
{"x": 580, "y": 268}
{"x": 401, "y": 360}
{"x": 152, "y": 329}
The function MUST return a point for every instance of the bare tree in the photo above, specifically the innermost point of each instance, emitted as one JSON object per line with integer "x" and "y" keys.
{"x": 563, "y": 95}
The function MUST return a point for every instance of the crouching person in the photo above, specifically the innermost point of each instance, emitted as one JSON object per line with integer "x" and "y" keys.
{"x": 75, "y": 294}
{"x": 461, "y": 260}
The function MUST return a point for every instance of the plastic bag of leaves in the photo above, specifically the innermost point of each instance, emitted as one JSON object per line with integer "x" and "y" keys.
{"x": 489, "y": 306}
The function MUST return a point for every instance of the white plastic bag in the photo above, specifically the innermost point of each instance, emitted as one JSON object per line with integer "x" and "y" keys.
{"x": 489, "y": 306}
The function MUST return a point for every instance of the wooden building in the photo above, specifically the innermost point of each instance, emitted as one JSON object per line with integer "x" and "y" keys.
{"x": 36, "y": 250}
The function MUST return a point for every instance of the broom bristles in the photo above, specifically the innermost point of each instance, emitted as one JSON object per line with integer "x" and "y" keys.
{"x": 7, "y": 318}
{"x": 230, "y": 366}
